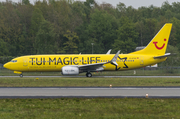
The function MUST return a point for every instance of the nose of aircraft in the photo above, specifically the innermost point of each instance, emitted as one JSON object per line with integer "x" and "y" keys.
{"x": 7, "y": 65}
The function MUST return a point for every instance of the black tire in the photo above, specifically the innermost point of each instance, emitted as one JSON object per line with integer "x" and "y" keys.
{"x": 88, "y": 74}
{"x": 21, "y": 75}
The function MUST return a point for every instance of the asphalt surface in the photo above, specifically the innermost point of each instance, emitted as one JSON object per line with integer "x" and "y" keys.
{"x": 92, "y": 92}
{"x": 118, "y": 92}
{"x": 104, "y": 76}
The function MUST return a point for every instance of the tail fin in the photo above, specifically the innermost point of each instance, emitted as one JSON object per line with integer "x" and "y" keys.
{"x": 158, "y": 44}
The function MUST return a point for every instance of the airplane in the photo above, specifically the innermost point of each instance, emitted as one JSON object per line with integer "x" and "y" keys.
{"x": 70, "y": 64}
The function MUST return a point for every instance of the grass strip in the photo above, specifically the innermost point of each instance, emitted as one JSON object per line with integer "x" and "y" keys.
{"x": 81, "y": 82}
{"x": 137, "y": 72}
{"x": 73, "y": 108}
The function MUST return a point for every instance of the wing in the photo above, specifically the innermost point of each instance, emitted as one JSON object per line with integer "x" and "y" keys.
{"x": 98, "y": 66}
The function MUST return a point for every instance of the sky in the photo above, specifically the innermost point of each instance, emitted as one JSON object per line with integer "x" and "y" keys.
{"x": 133, "y": 3}
{"x": 137, "y": 3}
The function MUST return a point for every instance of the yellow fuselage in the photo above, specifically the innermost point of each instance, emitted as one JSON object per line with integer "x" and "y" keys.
{"x": 48, "y": 63}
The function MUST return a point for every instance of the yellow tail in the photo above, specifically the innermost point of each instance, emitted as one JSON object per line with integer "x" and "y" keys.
{"x": 158, "y": 44}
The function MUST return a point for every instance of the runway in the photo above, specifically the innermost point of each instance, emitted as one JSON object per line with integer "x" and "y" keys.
{"x": 118, "y": 92}
{"x": 99, "y": 76}
{"x": 92, "y": 92}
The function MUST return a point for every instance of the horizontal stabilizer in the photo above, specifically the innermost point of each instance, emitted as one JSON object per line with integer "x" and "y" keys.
{"x": 165, "y": 55}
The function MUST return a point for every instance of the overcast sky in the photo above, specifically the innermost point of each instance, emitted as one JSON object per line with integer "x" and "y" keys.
{"x": 137, "y": 3}
{"x": 134, "y": 3}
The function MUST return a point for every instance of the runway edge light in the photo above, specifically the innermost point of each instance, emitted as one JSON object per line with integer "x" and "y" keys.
{"x": 110, "y": 86}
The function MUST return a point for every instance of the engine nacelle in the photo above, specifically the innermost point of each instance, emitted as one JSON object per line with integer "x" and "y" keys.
{"x": 70, "y": 70}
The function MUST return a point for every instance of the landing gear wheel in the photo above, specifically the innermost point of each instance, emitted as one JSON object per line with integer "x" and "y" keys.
{"x": 21, "y": 75}
{"x": 88, "y": 74}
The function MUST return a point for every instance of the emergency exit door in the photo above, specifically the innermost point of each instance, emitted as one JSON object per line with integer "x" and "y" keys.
{"x": 141, "y": 60}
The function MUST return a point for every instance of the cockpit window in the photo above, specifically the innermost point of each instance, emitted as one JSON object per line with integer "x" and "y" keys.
{"x": 13, "y": 60}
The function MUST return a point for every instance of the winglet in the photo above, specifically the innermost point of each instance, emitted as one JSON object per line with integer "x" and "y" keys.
{"x": 109, "y": 51}
{"x": 115, "y": 58}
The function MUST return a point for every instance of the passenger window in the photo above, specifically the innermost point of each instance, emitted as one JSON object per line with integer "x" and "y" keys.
{"x": 13, "y": 60}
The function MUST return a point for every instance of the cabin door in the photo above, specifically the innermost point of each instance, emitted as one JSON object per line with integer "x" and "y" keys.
{"x": 25, "y": 61}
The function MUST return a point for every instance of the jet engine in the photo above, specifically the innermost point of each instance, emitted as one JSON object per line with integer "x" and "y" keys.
{"x": 70, "y": 70}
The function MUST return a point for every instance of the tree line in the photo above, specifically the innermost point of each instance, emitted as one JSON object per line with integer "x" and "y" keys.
{"x": 70, "y": 27}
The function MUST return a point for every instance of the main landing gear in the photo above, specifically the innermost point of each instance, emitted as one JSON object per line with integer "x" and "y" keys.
{"x": 88, "y": 74}
{"x": 21, "y": 75}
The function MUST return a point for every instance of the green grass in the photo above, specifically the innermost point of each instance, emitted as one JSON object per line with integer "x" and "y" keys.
{"x": 91, "y": 82}
{"x": 139, "y": 72}
{"x": 75, "y": 108}
{"x": 95, "y": 108}
{"x": 92, "y": 108}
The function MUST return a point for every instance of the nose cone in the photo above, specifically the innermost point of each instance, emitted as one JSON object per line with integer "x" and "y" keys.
{"x": 7, "y": 65}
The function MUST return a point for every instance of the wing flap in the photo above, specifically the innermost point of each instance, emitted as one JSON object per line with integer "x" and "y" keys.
{"x": 91, "y": 66}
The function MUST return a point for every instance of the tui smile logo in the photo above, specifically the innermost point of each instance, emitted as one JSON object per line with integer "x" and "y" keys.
{"x": 159, "y": 48}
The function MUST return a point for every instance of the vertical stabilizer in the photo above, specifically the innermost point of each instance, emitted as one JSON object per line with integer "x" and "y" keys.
{"x": 159, "y": 43}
